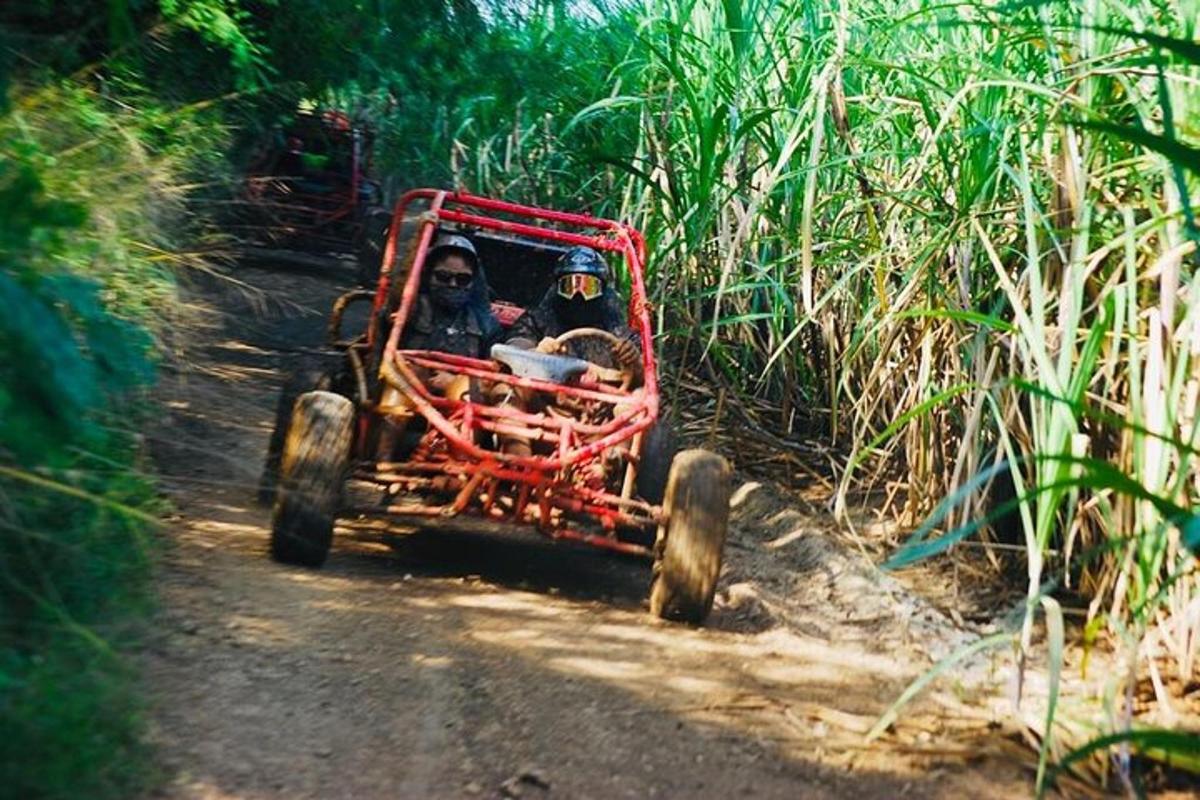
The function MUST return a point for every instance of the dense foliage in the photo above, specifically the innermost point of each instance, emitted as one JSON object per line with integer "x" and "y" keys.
{"x": 92, "y": 157}
{"x": 73, "y": 562}
{"x": 958, "y": 240}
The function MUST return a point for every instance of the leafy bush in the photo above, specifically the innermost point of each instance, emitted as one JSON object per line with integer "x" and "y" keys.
{"x": 74, "y": 553}
{"x": 92, "y": 170}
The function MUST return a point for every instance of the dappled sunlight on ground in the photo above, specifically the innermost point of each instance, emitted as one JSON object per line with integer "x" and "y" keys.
{"x": 440, "y": 663}
{"x": 375, "y": 629}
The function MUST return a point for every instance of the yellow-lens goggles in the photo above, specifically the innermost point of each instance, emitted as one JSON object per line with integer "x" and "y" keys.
{"x": 589, "y": 286}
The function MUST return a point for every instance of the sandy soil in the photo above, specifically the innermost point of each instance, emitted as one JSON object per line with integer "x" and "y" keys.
{"x": 445, "y": 664}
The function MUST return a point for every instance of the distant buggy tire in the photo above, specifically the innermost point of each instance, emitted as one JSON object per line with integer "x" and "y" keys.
{"x": 309, "y": 376}
{"x": 316, "y": 455}
{"x": 691, "y": 539}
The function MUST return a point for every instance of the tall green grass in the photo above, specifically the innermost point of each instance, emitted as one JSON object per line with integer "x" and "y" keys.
{"x": 960, "y": 236}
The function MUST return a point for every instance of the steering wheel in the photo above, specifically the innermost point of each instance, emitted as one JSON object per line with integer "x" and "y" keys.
{"x": 622, "y": 376}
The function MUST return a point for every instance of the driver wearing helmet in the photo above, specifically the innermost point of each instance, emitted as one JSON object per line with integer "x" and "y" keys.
{"x": 451, "y": 315}
{"x": 581, "y": 297}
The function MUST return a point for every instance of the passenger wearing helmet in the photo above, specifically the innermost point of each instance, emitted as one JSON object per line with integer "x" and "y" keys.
{"x": 581, "y": 297}
{"x": 451, "y": 315}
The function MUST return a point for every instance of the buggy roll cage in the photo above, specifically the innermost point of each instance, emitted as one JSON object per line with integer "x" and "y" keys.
{"x": 458, "y": 421}
{"x": 587, "y": 427}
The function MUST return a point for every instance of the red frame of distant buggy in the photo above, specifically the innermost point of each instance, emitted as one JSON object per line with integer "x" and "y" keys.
{"x": 534, "y": 474}
{"x": 327, "y": 209}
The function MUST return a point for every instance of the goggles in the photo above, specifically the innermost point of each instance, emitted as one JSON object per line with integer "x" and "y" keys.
{"x": 589, "y": 286}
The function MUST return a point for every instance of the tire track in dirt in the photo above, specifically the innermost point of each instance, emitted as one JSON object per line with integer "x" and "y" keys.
{"x": 444, "y": 664}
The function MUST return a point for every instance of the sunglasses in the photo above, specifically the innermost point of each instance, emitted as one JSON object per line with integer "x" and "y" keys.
{"x": 589, "y": 286}
{"x": 460, "y": 279}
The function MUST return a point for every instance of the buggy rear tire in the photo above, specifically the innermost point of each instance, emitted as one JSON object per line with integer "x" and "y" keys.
{"x": 691, "y": 539}
{"x": 312, "y": 471}
{"x": 659, "y": 447}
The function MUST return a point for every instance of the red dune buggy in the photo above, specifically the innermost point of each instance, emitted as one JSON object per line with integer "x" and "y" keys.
{"x": 601, "y": 471}
{"x": 310, "y": 188}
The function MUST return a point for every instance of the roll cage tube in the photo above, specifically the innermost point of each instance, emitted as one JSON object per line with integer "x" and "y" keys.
{"x": 614, "y": 237}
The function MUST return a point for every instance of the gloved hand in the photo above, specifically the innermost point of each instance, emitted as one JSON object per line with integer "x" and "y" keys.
{"x": 627, "y": 354}
{"x": 549, "y": 345}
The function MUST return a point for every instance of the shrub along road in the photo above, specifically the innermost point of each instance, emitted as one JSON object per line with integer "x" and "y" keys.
{"x": 450, "y": 664}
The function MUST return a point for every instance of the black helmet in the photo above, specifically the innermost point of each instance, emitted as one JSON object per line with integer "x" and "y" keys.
{"x": 454, "y": 243}
{"x": 581, "y": 260}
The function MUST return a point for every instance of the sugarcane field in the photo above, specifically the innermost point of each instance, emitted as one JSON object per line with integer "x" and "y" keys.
{"x": 599, "y": 399}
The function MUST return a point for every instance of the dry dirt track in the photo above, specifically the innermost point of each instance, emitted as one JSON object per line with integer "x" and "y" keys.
{"x": 448, "y": 665}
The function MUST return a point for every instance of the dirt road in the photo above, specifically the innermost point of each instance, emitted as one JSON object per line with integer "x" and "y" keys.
{"x": 442, "y": 664}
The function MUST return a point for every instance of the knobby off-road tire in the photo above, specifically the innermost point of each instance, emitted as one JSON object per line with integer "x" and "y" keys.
{"x": 315, "y": 458}
{"x": 309, "y": 376}
{"x": 691, "y": 540}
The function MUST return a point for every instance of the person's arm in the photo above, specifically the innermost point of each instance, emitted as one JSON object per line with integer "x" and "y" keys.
{"x": 528, "y": 333}
{"x": 628, "y": 354}
{"x": 523, "y": 333}
{"x": 628, "y": 350}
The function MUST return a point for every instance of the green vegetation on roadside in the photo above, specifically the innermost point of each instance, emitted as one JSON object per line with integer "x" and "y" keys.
{"x": 93, "y": 163}
{"x": 957, "y": 239}
{"x": 74, "y": 545}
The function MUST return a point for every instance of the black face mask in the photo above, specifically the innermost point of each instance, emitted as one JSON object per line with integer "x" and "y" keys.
{"x": 579, "y": 312}
{"x": 450, "y": 298}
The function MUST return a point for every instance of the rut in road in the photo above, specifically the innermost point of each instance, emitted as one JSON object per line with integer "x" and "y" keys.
{"x": 445, "y": 664}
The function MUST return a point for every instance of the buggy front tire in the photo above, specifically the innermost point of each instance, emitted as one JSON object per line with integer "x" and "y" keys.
{"x": 691, "y": 539}
{"x": 316, "y": 455}
{"x": 309, "y": 376}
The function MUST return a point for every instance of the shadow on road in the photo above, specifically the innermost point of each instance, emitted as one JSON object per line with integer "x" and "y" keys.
{"x": 516, "y": 559}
